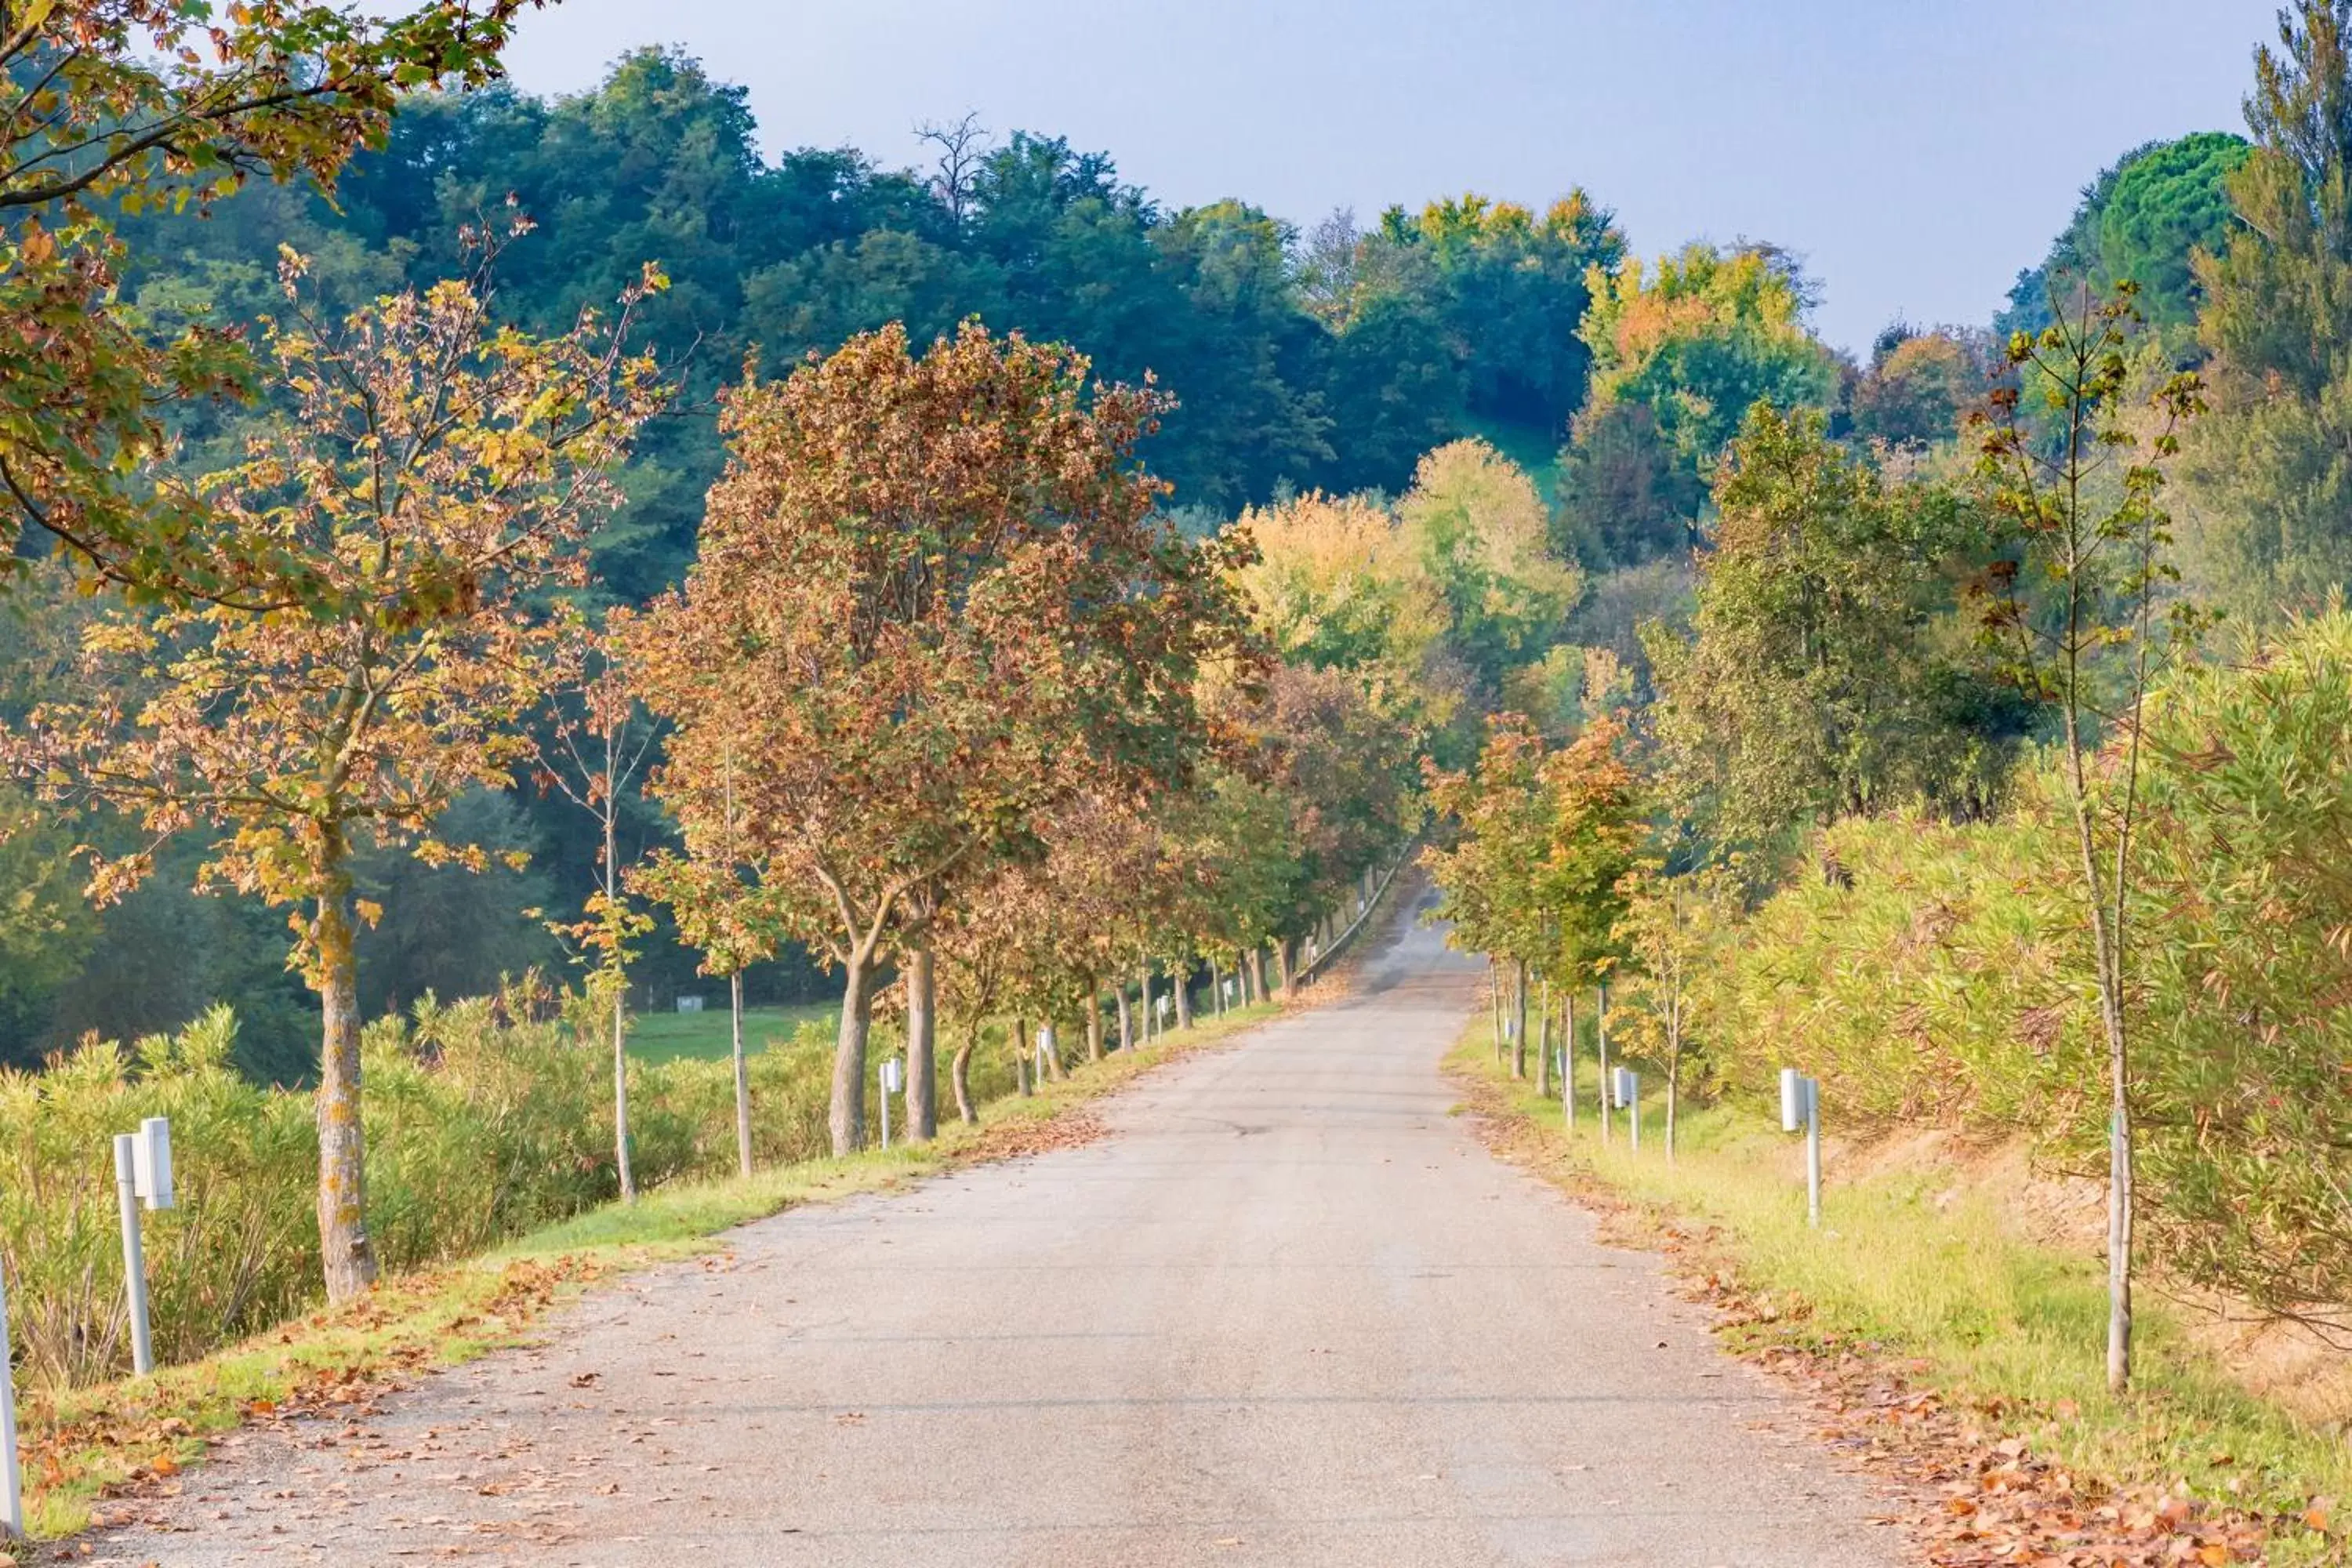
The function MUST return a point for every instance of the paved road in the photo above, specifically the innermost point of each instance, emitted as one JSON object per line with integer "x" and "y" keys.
{"x": 1288, "y": 1314}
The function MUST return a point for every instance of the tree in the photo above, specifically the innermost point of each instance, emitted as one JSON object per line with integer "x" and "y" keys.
{"x": 1624, "y": 496}
{"x": 934, "y": 602}
{"x": 1489, "y": 882}
{"x": 433, "y": 475}
{"x": 1701, "y": 338}
{"x": 1669, "y": 928}
{"x": 1594, "y": 802}
{"x": 46, "y": 926}
{"x": 1920, "y": 387}
{"x": 1481, "y": 535}
{"x": 119, "y": 106}
{"x": 962, "y": 143}
{"x": 1829, "y": 671}
{"x": 595, "y": 755}
{"x": 1337, "y": 585}
{"x": 728, "y": 910}
{"x": 2270, "y": 470}
{"x": 2084, "y": 627}
{"x": 2145, "y": 220}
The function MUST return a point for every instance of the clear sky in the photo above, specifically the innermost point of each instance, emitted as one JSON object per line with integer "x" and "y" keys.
{"x": 1916, "y": 153}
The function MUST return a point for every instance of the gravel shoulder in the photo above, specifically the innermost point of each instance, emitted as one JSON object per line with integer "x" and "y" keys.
{"x": 1288, "y": 1312}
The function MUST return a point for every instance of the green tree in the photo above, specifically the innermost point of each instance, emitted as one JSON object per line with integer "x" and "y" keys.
{"x": 1829, "y": 671}
{"x": 2084, "y": 627}
{"x": 47, "y": 927}
{"x": 2270, "y": 470}
{"x": 2146, "y": 220}
{"x": 1482, "y": 536}
{"x": 1701, "y": 338}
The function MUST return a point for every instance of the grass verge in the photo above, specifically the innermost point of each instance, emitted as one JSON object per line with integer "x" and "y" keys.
{"x": 82, "y": 1446}
{"x": 1914, "y": 1280}
{"x": 710, "y": 1036}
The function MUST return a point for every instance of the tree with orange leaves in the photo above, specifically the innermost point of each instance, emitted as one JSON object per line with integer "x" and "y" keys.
{"x": 434, "y": 476}
{"x": 935, "y": 600}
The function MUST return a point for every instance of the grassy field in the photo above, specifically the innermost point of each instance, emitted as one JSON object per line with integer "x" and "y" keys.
{"x": 656, "y": 1037}
{"x": 1919, "y": 1270}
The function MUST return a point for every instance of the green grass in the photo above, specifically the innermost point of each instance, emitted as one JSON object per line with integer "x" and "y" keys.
{"x": 1918, "y": 1270}
{"x": 708, "y": 1035}
{"x": 84, "y": 1442}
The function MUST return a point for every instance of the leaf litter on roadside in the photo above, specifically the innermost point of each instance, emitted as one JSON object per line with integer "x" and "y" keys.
{"x": 1977, "y": 1495}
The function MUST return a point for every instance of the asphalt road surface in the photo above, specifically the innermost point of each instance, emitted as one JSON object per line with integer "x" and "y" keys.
{"x": 1288, "y": 1313}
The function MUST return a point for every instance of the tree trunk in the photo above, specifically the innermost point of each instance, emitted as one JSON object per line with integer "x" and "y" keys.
{"x": 922, "y": 1044}
{"x": 1495, "y": 1005}
{"x": 1126, "y": 1016}
{"x": 1286, "y": 962}
{"x": 959, "y": 1073}
{"x": 1567, "y": 1059}
{"x": 1019, "y": 1043}
{"x": 848, "y": 1116}
{"x": 1519, "y": 1020}
{"x": 611, "y": 880}
{"x": 1543, "y": 1042}
{"x": 1674, "y": 1070}
{"x": 349, "y": 1256}
{"x": 1183, "y": 980}
{"x": 1600, "y": 1028}
{"x": 1094, "y": 1021}
{"x": 743, "y": 1076}
{"x": 2119, "y": 1233}
{"x": 620, "y": 1090}
{"x": 1217, "y": 991}
{"x": 1050, "y": 1048}
{"x": 1257, "y": 976}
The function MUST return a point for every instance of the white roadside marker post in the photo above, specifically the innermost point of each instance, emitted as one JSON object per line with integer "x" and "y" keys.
{"x": 893, "y": 1080}
{"x": 1800, "y": 1110}
{"x": 12, "y": 1485}
{"x": 142, "y": 1172}
{"x": 1629, "y": 1101}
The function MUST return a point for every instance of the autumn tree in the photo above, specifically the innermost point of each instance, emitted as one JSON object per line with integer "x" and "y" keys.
{"x": 1482, "y": 536}
{"x": 1488, "y": 878}
{"x": 122, "y": 106}
{"x": 1669, "y": 929}
{"x": 390, "y": 541}
{"x": 727, "y": 910}
{"x": 934, "y": 601}
{"x": 594, "y": 754}
{"x": 2084, "y": 625}
{"x": 1594, "y": 806}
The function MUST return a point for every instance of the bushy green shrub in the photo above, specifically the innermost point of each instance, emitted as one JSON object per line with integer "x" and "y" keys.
{"x": 2245, "y": 1065}
{"x": 485, "y": 1119}
{"x": 1932, "y": 971}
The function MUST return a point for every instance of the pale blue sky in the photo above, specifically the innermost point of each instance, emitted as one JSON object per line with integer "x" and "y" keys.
{"x": 1917, "y": 153}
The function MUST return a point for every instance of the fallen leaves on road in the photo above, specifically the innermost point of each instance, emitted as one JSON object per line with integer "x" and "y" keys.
{"x": 1978, "y": 1495}
{"x": 1072, "y": 1127}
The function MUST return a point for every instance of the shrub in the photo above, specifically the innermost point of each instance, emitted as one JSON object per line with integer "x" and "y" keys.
{"x": 485, "y": 1119}
{"x": 1939, "y": 972}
